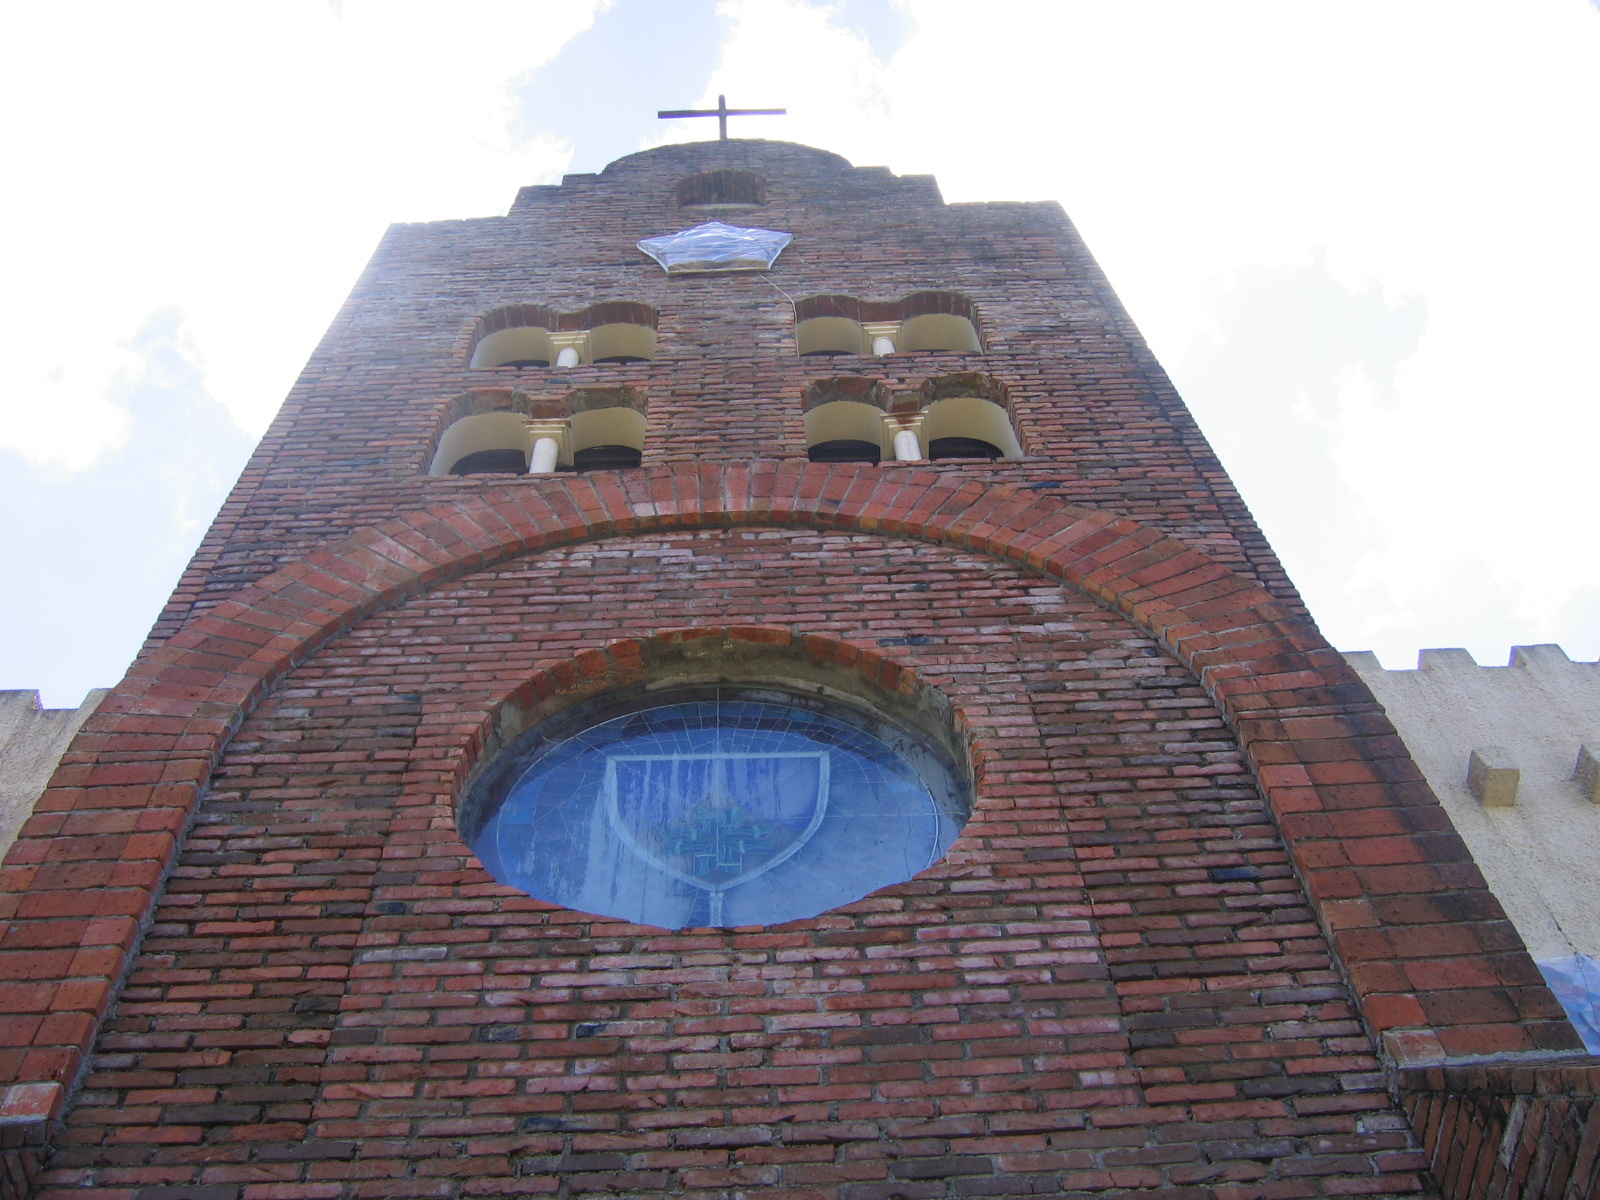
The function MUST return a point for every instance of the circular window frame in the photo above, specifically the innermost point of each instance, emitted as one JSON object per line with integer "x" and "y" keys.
{"x": 935, "y": 756}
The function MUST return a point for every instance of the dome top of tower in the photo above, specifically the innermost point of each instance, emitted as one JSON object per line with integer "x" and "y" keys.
{"x": 734, "y": 152}
{"x": 732, "y": 173}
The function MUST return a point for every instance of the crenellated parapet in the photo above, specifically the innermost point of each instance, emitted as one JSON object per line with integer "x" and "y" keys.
{"x": 32, "y": 739}
{"x": 1513, "y": 752}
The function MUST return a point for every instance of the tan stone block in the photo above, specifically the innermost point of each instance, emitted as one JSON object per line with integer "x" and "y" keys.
{"x": 1587, "y": 772}
{"x": 1492, "y": 777}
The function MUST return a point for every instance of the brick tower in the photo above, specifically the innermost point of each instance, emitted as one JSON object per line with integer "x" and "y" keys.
{"x": 1204, "y": 930}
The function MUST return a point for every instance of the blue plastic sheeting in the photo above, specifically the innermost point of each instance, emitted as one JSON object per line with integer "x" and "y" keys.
{"x": 1576, "y": 983}
{"x": 714, "y": 246}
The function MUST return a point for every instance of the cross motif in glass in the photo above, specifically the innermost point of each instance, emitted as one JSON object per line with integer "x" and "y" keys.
{"x": 718, "y": 840}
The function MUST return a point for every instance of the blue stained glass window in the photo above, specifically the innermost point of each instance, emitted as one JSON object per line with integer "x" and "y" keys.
{"x": 728, "y": 809}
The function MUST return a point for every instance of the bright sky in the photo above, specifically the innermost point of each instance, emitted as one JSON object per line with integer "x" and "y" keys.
{"x": 1360, "y": 236}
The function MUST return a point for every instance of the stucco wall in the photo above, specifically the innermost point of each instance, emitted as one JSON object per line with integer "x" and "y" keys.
{"x": 1541, "y": 856}
{"x": 32, "y": 740}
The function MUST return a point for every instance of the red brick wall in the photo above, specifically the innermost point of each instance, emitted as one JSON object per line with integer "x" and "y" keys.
{"x": 1101, "y": 421}
{"x": 1349, "y": 801}
{"x": 1497, "y": 1132}
{"x": 1071, "y": 1001}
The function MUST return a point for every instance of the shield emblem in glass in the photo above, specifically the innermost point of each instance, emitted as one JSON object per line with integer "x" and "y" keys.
{"x": 717, "y": 812}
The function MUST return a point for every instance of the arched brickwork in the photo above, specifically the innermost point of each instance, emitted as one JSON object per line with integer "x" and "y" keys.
{"x": 1388, "y": 876}
{"x": 1087, "y": 958}
{"x": 516, "y": 316}
{"x": 622, "y": 661}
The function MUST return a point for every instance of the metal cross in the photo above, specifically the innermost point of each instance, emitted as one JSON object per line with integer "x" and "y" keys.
{"x": 722, "y": 112}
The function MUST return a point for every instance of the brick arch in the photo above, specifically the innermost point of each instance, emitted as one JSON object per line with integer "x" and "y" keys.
{"x": 543, "y": 316}
{"x": 1369, "y": 840}
{"x": 1216, "y": 622}
{"x": 913, "y": 304}
{"x": 845, "y": 665}
{"x": 966, "y": 383}
{"x": 544, "y": 404}
{"x": 860, "y": 389}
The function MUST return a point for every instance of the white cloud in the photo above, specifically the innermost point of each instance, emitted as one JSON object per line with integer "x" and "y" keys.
{"x": 239, "y": 160}
{"x": 1430, "y": 150}
{"x": 789, "y": 54}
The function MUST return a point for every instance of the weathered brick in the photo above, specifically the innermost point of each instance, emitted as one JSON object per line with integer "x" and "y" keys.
{"x": 1115, "y": 972}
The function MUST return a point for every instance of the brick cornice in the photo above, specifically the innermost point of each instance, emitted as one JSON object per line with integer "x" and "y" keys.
{"x": 1355, "y": 812}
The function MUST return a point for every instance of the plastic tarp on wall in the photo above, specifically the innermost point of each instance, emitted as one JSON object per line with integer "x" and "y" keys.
{"x": 1576, "y": 983}
{"x": 714, "y": 246}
